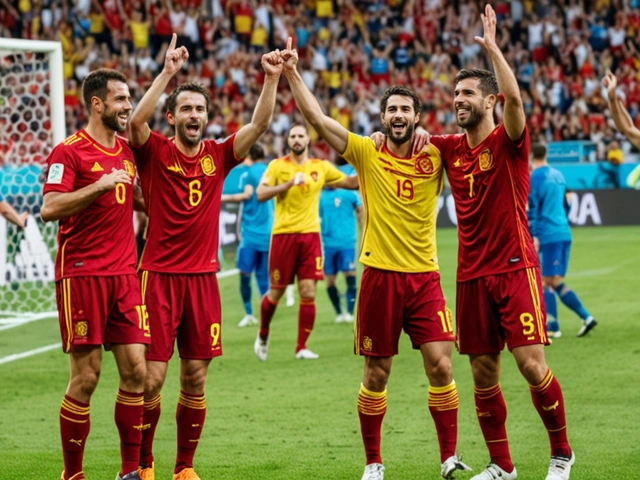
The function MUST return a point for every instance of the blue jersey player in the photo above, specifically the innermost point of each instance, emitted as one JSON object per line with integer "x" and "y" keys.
{"x": 256, "y": 220}
{"x": 339, "y": 210}
{"x": 549, "y": 228}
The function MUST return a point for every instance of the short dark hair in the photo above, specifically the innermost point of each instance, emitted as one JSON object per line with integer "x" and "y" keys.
{"x": 539, "y": 151}
{"x": 96, "y": 84}
{"x": 294, "y": 125}
{"x": 403, "y": 92}
{"x": 256, "y": 152}
{"x": 172, "y": 101}
{"x": 487, "y": 80}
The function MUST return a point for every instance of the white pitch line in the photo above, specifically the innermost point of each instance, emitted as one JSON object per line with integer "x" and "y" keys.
{"x": 16, "y": 322}
{"x": 29, "y": 353}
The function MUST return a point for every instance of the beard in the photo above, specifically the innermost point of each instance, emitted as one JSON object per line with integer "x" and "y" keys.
{"x": 184, "y": 137}
{"x": 472, "y": 121}
{"x": 298, "y": 150}
{"x": 403, "y": 138}
{"x": 110, "y": 120}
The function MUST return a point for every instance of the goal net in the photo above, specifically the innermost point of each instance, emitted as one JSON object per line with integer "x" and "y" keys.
{"x": 32, "y": 122}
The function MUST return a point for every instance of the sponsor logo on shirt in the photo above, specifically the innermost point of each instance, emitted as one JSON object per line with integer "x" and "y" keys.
{"x": 514, "y": 259}
{"x": 208, "y": 166}
{"x": 485, "y": 159}
{"x": 55, "y": 173}
{"x": 97, "y": 168}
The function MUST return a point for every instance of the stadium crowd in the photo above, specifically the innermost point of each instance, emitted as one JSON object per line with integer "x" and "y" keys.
{"x": 350, "y": 51}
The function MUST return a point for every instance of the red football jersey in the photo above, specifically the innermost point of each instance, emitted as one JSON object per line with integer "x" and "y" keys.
{"x": 99, "y": 240}
{"x": 182, "y": 197}
{"x": 490, "y": 186}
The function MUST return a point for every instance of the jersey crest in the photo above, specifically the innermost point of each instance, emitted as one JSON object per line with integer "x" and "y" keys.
{"x": 314, "y": 176}
{"x": 424, "y": 165}
{"x": 129, "y": 168}
{"x": 485, "y": 159}
{"x": 208, "y": 166}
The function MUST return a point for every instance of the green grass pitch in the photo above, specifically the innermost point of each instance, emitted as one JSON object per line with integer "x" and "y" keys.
{"x": 291, "y": 419}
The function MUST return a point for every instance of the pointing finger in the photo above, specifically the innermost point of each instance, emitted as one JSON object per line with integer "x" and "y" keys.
{"x": 174, "y": 39}
{"x": 289, "y": 43}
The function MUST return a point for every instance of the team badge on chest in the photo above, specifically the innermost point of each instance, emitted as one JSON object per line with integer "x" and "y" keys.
{"x": 129, "y": 168}
{"x": 424, "y": 165}
{"x": 485, "y": 159}
{"x": 208, "y": 166}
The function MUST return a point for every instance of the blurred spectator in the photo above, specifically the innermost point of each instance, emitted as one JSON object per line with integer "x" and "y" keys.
{"x": 350, "y": 50}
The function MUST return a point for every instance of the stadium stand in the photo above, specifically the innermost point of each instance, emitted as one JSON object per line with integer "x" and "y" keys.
{"x": 350, "y": 51}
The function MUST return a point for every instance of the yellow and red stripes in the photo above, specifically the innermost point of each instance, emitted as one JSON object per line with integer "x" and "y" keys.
{"x": 66, "y": 309}
{"x": 443, "y": 398}
{"x": 371, "y": 403}
{"x": 535, "y": 298}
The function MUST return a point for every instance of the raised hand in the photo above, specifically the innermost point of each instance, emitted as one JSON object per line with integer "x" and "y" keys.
{"x": 272, "y": 63}
{"x": 610, "y": 82}
{"x": 175, "y": 57}
{"x": 108, "y": 181}
{"x": 489, "y": 23}
{"x": 289, "y": 56}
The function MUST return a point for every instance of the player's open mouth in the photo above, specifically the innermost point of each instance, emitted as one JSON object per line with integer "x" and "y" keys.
{"x": 463, "y": 112}
{"x": 124, "y": 116}
{"x": 193, "y": 129}
{"x": 398, "y": 127}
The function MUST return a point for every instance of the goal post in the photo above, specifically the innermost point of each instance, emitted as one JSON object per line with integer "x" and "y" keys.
{"x": 32, "y": 122}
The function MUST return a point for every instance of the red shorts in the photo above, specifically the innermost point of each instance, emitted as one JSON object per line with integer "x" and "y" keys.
{"x": 501, "y": 308}
{"x": 101, "y": 310}
{"x": 186, "y": 308}
{"x": 390, "y": 302}
{"x": 295, "y": 255}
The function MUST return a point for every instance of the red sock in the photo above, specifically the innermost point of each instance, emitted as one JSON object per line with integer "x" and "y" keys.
{"x": 74, "y": 430}
{"x": 267, "y": 309}
{"x": 443, "y": 405}
{"x": 306, "y": 319}
{"x": 128, "y": 416}
{"x": 192, "y": 410}
{"x": 547, "y": 398}
{"x": 492, "y": 416}
{"x": 371, "y": 409}
{"x": 149, "y": 424}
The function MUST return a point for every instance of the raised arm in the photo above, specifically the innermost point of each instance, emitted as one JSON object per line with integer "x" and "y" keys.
{"x": 335, "y": 134}
{"x": 138, "y": 128}
{"x": 619, "y": 112}
{"x": 57, "y": 205}
{"x": 8, "y": 212}
{"x": 514, "y": 118}
{"x": 249, "y": 134}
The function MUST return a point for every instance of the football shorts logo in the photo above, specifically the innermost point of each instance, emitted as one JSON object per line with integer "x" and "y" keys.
{"x": 81, "y": 329}
{"x": 314, "y": 176}
{"x": 424, "y": 165}
{"x": 129, "y": 168}
{"x": 367, "y": 344}
{"x": 485, "y": 159}
{"x": 275, "y": 276}
{"x": 55, "y": 173}
{"x": 208, "y": 166}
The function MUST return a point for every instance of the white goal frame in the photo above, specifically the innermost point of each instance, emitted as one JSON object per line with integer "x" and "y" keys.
{"x": 53, "y": 50}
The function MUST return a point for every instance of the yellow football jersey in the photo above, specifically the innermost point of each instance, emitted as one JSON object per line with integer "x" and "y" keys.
{"x": 297, "y": 209}
{"x": 400, "y": 197}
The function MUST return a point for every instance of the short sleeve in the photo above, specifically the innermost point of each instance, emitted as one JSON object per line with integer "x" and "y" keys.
{"x": 149, "y": 149}
{"x": 61, "y": 170}
{"x": 244, "y": 180}
{"x": 357, "y": 201}
{"x": 444, "y": 144}
{"x": 332, "y": 174}
{"x": 270, "y": 176}
{"x": 358, "y": 148}
{"x": 226, "y": 148}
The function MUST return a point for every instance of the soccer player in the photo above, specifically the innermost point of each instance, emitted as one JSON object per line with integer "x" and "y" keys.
{"x": 549, "y": 227}
{"x": 621, "y": 117}
{"x": 498, "y": 283}
{"x": 182, "y": 179}
{"x": 89, "y": 190}
{"x": 10, "y": 214}
{"x": 339, "y": 209}
{"x": 400, "y": 286}
{"x": 296, "y": 182}
{"x": 256, "y": 221}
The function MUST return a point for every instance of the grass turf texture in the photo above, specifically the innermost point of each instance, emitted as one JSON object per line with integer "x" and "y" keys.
{"x": 292, "y": 419}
